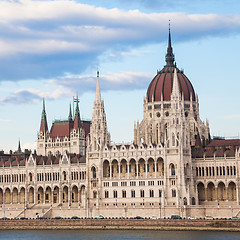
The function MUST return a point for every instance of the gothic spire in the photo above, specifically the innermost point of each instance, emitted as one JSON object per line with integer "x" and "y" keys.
{"x": 98, "y": 92}
{"x": 70, "y": 114}
{"x": 77, "y": 120}
{"x": 43, "y": 110}
{"x": 19, "y": 147}
{"x": 43, "y": 126}
{"x": 169, "y": 56}
{"x": 77, "y": 112}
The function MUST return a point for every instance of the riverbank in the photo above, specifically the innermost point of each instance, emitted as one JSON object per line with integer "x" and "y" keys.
{"x": 121, "y": 224}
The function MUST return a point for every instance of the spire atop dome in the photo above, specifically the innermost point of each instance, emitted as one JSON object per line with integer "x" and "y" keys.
{"x": 70, "y": 114}
{"x": 98, "y": 92}
{"x": 169, "y": 56}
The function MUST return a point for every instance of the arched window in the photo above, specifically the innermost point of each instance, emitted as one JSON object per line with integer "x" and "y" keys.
{"x": 94, "y": 174}
{"x": 30, "y": 177}
{"x": 172, "y": 169}
{"x": 174, "y": 193}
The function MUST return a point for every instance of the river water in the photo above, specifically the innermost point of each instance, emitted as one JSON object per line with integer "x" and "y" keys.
{"x": 116, "y": 235}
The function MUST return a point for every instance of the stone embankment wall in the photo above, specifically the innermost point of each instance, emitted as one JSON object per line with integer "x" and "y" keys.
{"x": 215, "y": 225}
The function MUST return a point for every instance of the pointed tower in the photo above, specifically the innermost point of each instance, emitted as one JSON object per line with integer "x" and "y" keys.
{"x": 99, "y": 135}
{"x": 175, "y": 89}
{"x": 44, "y": 126}
{"x": 19, "y": 147}
{"x": 169, "y": 56}
{"x": 70, "y": 114}
{"x": 77, "y": 120}
{"x": 43, "y": 134}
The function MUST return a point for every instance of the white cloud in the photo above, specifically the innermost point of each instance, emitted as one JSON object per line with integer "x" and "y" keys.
{"x": 232, "y": 117}
{"x": 5, "y": 120}
{"x": 44, "y": 39}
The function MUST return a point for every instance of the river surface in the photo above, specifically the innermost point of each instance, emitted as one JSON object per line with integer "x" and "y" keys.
{"x": 116, "y": 235}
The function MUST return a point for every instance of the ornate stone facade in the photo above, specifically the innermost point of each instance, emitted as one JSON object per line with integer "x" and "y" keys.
{"x": 172, "y": 166}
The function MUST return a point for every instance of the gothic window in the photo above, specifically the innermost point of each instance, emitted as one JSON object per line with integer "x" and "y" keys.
{"x": 64, "y": 176}
{"x": 173, "y": 139}
{"x": 172, "y": 169}
{"x": 133, "y": 193}
{"x": 115, "y": 194}
{"x": 94, "y": 174}
{"x": 173, "y": 193}
{"x": 94, "y": 194}
{"x": 151, "y": 193}
{"x": 30, "y": 177}
{"x": 106, "y": 194}
{"x": 142, "y": 193}
{"x": 160, "y": 193}
{"x": 124, "y": 194}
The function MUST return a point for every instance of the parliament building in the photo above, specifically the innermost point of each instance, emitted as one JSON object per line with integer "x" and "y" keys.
{"x": 172, "y": 166}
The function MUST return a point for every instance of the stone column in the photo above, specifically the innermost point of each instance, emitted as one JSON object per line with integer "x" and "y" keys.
{"x": 137, "y": 168}
{"x": 128, "y": 170}
{"x": 60, "y": 196}
{"x": 69, "y": 196}
{"x": 119, "y": 172}
{"x": 155, "y": 168}
{"x": 237, "y": 194}
{"x": 110, "y": 170}
{"x": 146, "y": 168}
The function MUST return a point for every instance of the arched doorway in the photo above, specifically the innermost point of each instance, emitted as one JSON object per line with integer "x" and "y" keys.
{"x": 48, "y": 195}
{"x": 65, "y": 194}
{"x": 115, "y": 168}
{"x": 201, "y": 192}
{"x": 106, "y": 168}
{"x": 123, "y": 168}
{"x": 141, "y": 168}
{"x": 74, "y": 195}
{"x": 7, "y": 196}
{"x": 211, "y": 192}
{"x": 151, "y": 167}
{"x": 40, "y": 195}
{"x": 160, "y": 167}
{"x": 15, "y": 196}
{"x": 132, "y": 168}
{"x": 232, "y": 191}
{"x": 22, "y": 195}
{"x": 31, "y": 195}
{"x": 56, "y": 194}
{"x": 221, "y": 190}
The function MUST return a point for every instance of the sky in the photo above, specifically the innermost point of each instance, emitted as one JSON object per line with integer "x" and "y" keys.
{"x": 52, "y": 49}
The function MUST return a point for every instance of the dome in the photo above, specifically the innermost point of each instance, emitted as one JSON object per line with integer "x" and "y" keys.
{"x": 162, "y": 83}
{"x": 161, "y": 86}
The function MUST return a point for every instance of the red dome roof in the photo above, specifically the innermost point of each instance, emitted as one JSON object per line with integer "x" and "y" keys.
{"x": 162, "y": 83}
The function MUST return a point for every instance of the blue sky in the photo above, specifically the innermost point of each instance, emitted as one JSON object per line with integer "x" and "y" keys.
{"x": 52, "y": 49}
